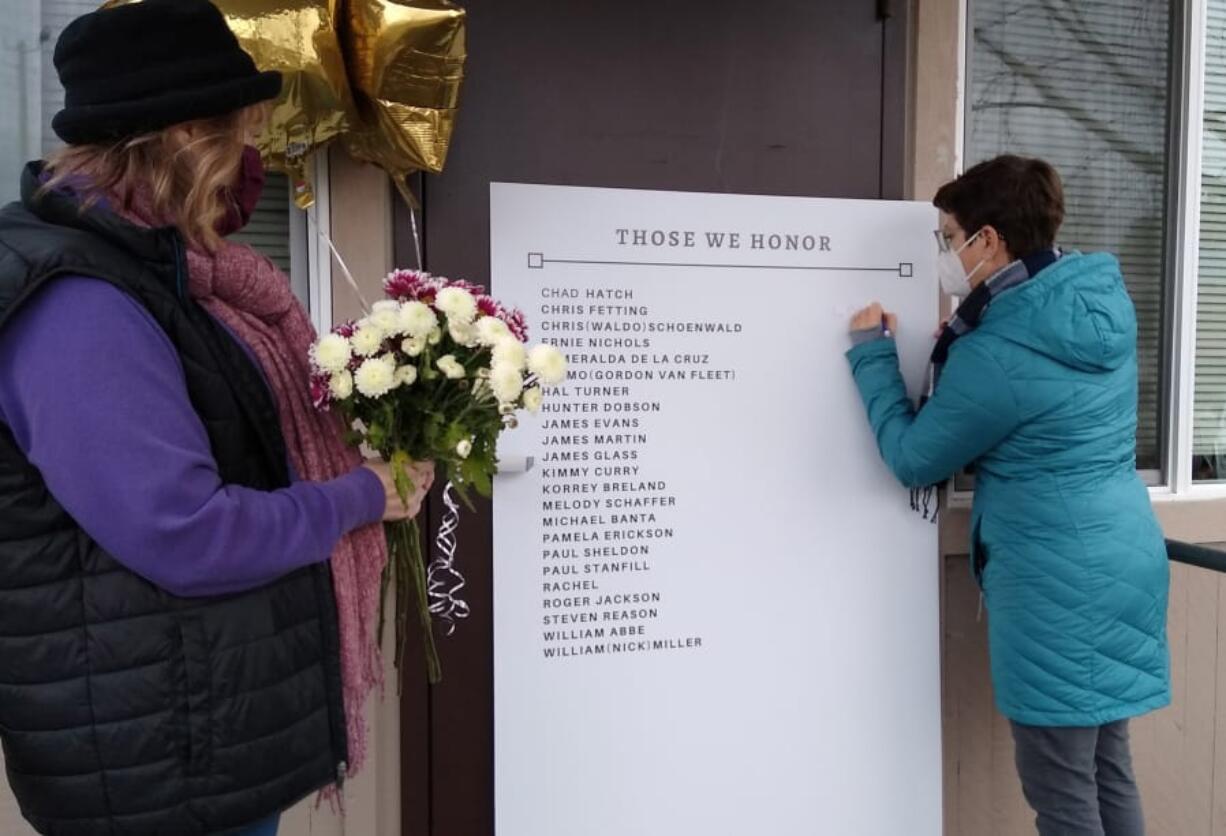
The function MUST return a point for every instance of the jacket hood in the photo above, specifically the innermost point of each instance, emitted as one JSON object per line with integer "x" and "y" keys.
{"x": 1077, "y": 311}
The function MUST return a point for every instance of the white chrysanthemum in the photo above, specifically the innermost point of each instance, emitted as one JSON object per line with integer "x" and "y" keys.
{"x": 448, "y": 365}
{"x": 416, "y": 319}
{"x": 457, "y": 303}
{"x": 386, "y": 319}
{"x": 533, "y": 398}
{"x": 509, "y": 352}
{"x": 374, "y": 378}
{"x": 462, "y": 332}
{"x": 547, "y": 363}
{"x": 405, "y": 376}
{"x": 506, "y": 382}
{"x": 367, "y": 340}
{"x": 435, "y": 336}
{"x": 464, "y": 448}
{"x": 340, "y": 385}
{"x": 413, "y": 346}
{"x": 491, "y": 329}
{"x": 332, "y": 353}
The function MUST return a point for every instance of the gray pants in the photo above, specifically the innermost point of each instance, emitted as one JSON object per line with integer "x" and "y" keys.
{"x": 1079, "y": 780}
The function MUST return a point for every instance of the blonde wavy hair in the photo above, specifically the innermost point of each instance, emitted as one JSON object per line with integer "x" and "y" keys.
{"x": 186, "y": 169}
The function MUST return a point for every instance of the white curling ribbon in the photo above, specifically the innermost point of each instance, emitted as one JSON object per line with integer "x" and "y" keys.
{"x": 443, "y": 581}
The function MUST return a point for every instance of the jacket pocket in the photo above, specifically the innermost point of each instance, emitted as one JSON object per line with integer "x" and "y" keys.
{"x": 979, "y": 553}
{"x": 197, "y": 682}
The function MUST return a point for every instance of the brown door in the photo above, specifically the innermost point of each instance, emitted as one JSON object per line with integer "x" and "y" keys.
{"x": 789, "y": 97}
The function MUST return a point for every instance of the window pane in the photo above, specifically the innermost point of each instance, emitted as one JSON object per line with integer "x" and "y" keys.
{"x": 1209, "y": 414}
{"x": 1083, "y": 84}
{"x": 268, "y": 230}
{"x": 21, "y": 68}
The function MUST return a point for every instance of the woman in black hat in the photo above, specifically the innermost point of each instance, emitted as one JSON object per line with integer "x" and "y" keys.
{"x": 170, "y": 643}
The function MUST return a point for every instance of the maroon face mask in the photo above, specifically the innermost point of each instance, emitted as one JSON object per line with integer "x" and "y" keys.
{"x": 242, "y": 197}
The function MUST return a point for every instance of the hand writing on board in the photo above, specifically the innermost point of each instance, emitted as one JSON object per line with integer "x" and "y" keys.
{"x": 874, "y": 316}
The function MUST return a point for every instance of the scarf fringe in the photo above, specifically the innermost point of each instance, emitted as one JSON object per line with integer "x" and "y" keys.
{"x": 927, "y": 502}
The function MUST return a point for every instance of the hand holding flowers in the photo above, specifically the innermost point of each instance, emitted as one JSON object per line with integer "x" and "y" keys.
{"x": 432, "y": 374}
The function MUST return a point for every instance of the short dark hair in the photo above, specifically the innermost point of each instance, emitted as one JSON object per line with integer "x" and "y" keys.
{"x": 1020, "y": 197}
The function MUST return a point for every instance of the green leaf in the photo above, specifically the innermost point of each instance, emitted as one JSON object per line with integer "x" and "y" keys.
{"x": 461, "y": 489}
{"x": 400, "y": 462}
{"x": 477, "y": 474}
{"x": 376, "y": 435}
{"x": 456, "y": 432}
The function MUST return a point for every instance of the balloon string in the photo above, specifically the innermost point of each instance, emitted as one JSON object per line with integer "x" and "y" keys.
{"x": 410, "y": 200}
{"x": 416, "y": 239}
{"x": 340, "y": 261}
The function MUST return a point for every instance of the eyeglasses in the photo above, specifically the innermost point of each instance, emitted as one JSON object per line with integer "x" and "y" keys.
{"x": 945, "y": 240}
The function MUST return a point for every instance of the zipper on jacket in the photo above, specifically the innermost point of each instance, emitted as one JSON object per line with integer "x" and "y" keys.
{"x": 342, "y": 769}
{"x": 174, "y": 238}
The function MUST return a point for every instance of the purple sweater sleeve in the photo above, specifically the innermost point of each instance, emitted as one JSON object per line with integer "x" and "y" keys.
{"x": 95, "y": 396}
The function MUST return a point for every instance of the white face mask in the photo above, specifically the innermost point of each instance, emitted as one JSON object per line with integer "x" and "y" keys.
{"x": 954, "y": 279}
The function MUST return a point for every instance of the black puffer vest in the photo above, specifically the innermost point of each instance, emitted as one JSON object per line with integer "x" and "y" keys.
{"x": 123, "y": 709}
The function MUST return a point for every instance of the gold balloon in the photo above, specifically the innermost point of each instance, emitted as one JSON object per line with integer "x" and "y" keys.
{"x": 383, "y": 74}
{"x": 406, "y": 64}
{"x": 299, "y": 39}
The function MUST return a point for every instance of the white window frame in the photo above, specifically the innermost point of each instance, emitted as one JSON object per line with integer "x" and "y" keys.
{"x": 310, "y": 258}
{"x": 1176, "y": 483}
{"x": 1181, "y": 369}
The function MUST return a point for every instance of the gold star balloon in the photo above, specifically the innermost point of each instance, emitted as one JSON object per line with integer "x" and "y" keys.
{"x": 300, "y": 39}
{"x": 406, "y": 64}
{"x": 384, "y": 75}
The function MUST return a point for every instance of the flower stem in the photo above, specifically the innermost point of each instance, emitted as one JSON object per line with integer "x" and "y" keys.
{"x": 406, "y": 571}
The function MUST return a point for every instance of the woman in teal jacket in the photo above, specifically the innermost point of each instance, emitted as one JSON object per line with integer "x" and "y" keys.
{"x": 1035, "y": 382}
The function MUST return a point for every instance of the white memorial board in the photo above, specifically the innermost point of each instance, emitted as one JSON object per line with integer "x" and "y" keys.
{"x": 715, "y": 611}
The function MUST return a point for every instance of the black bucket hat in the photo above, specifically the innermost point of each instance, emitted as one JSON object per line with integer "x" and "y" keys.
{"x": 142, "y": 67}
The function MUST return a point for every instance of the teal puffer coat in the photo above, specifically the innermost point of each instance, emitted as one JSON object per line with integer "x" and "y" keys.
{"x": 1042, "y": 397}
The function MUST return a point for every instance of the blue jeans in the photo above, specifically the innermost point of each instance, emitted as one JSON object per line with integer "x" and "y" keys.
{"x": 268, "y": 827}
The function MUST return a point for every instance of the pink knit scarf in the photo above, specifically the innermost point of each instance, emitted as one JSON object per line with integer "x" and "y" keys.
{"x": 253, "y": 298}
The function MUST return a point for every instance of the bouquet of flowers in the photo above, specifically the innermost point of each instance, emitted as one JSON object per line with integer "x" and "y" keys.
{"x": 434, "y": 372}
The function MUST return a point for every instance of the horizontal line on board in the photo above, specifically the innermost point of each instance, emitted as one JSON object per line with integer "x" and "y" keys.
{"x": 896, "y": 270}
